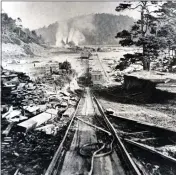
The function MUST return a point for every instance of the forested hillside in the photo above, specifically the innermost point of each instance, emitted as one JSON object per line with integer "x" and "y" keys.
{"x": 87, "y": 29}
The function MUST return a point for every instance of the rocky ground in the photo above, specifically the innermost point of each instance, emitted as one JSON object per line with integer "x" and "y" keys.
{"x": 30, "y": 148}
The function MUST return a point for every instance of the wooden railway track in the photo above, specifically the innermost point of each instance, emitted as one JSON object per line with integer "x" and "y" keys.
{"x": 129, "y": 164}
{"x": 121, "y": 139}
{"x": 52, "y": 166}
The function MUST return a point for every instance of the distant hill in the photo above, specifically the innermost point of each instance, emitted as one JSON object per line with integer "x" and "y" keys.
{"x": 90, "y": 29}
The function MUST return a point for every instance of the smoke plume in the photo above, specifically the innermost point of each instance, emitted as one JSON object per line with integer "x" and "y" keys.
{"x": 70, "y": 31}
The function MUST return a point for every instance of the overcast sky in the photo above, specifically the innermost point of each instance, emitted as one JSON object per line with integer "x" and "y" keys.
{"x": 38, "y": 14}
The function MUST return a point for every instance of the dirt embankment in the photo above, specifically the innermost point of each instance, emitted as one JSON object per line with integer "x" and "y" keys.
{"x": 16, "y": 47}
{"x": 11, "y": 51}
{"x": 159, "y": 109}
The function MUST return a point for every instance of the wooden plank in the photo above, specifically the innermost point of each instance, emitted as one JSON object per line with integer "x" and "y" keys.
{"x": 144, "y": 140}
{"x": 139, "y": 132}
{"x": 52, "y": 111}
{"x": 37, "y": 120}
{"x": 7, "y": 130}
{"x": 31, "y": 109}
{"x": 16, "y": 172}
{"x": 28, "y": 124}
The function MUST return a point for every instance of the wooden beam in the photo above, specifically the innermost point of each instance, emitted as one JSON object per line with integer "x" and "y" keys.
{"x": 7, "y": 130}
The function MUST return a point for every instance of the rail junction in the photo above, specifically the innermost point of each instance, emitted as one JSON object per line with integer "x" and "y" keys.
{"x": 96, "y": 143}
{"x": 95, "y": 147}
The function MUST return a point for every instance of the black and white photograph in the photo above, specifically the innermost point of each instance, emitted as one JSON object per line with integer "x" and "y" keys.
{"x": 88, "y": 87}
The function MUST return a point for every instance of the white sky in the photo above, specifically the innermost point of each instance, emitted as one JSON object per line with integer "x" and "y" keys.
{"x": 38, "y": 14}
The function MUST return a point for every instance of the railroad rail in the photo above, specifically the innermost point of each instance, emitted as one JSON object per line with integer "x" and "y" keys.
{"x": 123, "y": 133}
{"x": 146, "y": 137}
{"x": 115, "y": 144}
{"x": 105, "y": 73}
{"x": 131, "y": 165}
{"x": 52, "y": 165}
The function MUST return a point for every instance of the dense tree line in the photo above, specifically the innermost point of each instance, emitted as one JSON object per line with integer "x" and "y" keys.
{"x": 106, "y": 26}
{"x": 154, "y": 32}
